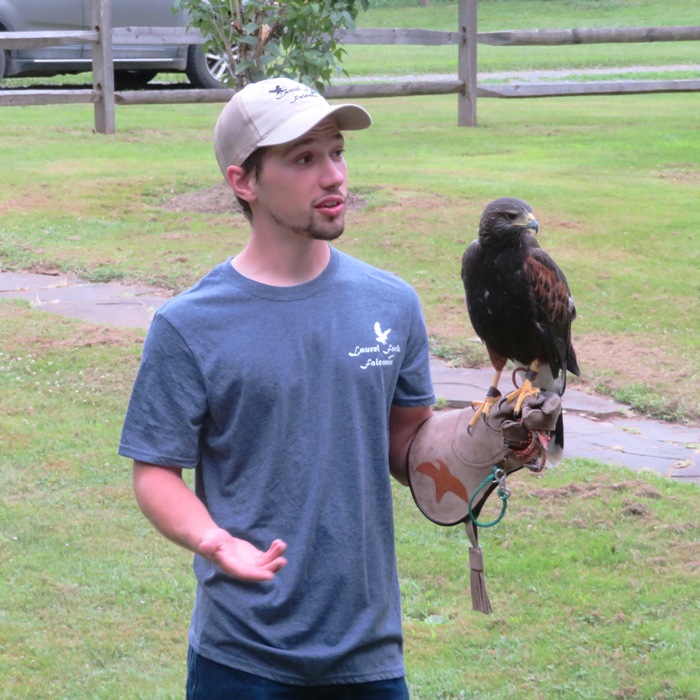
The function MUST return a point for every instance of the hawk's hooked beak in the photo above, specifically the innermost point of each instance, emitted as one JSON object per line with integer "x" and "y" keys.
{"x": 531, "y": 223}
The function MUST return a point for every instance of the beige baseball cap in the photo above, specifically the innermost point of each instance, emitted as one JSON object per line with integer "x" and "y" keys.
{"x": 272, "y": 112}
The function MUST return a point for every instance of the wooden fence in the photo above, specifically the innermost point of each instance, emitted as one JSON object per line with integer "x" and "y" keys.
{"x": 464, "y": 84}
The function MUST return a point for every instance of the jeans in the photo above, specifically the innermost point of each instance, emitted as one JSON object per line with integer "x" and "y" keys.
{"x": 208, "y": 680}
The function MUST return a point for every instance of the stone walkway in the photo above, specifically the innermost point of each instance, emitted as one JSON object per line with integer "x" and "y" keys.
{"x": 596, "y": 427}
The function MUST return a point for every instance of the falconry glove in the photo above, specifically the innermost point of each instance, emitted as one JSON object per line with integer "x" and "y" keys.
{"x": 449, "y": 464}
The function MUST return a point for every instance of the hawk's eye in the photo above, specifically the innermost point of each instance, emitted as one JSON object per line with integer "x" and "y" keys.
{"x": 511, "y": 216}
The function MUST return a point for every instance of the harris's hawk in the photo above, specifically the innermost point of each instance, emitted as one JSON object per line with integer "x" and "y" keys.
{"x": 520, "y": 305}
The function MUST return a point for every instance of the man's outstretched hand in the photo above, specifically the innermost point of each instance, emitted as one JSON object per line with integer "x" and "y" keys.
{"x": 241, "y": 559}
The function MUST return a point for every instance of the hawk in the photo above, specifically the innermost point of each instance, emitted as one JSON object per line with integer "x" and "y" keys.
{"x": 520, "y": 306}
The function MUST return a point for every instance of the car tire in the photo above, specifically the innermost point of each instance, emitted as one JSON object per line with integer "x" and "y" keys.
{"x": 133, "y": 79}
{"x": 206, "y": 69}
{"x": 3, "y": 63}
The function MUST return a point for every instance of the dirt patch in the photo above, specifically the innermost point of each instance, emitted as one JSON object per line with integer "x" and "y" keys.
{"x": 680, "y": 172}
{"x": 42, "y": 269}
{"x": 635, "y": 495}
{"x": 219, "y": 199}
{"x": 88, "y": 337}
{"x": 66, "y": 334}
{"x": 611, "y": 363}
{"x": 628, "y": 358}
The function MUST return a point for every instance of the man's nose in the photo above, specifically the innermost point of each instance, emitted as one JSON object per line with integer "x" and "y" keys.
{"x": 334, "y": 173}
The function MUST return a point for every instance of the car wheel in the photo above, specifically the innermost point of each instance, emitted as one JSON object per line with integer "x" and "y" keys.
{"x": 206, "y": 69}
{"x": 133, "y": 79}
{"x": 3, "y": 64}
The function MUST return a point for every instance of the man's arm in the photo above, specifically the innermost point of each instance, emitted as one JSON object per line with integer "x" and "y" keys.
{"x": 403, "y": 424}
{"x": 178, "y": 514}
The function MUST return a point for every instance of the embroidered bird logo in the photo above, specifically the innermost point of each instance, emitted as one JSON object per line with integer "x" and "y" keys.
{"x": 381, "y": 335}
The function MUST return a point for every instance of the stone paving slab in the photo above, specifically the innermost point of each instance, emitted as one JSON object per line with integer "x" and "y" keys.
{"x": 109, "y": 304}
{"x": 458, "y": 386}
{"x": 638, "y": 444}
{"x": 596, "y": 427}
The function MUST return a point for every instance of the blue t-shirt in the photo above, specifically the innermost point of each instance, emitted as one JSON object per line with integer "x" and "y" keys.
{"x": 279, "y": 398}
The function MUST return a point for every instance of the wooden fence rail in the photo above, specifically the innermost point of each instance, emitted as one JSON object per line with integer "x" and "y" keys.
{"x": 561, "y": 37}
{"x": 34, "y": 40}
{"x": 524, "y": 37}
{"x": 464, "y": 84}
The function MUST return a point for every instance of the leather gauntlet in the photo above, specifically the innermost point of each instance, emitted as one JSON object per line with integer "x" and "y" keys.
{"x": 453, "y": 468}
{"x": 448, "y": 460}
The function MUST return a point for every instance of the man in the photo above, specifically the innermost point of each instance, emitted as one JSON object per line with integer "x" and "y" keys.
{"x": 292, "y": 379}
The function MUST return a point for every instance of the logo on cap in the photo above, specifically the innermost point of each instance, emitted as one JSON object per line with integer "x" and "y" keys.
{"x": 302, "y": 90}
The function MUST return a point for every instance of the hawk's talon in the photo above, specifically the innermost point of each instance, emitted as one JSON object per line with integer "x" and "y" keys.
{"x": 483, "y": 408}
{"x": 521, "y": 394}
{"x": 478, "y": 412}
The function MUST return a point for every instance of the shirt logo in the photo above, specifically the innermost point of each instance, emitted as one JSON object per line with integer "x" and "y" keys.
{"x": 381, "y": 335}
{"x": 382, "y": 354}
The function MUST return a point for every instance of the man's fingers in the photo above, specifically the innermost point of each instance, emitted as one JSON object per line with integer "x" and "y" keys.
{"x": 273, "y": 559}
{"x": 276, "y": 549}
{"x": 240, "y": 558}
{"x": 260, "y": 571}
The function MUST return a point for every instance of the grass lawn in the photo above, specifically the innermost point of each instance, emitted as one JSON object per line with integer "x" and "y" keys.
{"x": 593, "y": 574}
{"x": 498, "y": 15}
{"x": 611, "y": 179}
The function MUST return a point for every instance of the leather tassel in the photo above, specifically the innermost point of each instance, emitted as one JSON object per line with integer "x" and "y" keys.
{"x": 480, "y": 598}
{"x": 477, "y": 581}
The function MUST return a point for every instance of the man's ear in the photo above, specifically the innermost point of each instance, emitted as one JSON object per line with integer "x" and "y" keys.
{"x": 242, "y": 183}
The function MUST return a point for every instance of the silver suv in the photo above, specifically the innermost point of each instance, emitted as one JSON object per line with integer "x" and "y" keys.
{"x": 134, "y": 66}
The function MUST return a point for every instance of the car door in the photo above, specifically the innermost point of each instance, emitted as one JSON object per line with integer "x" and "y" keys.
{"x": 142, "y": 13}
{"x": 50, "y": 15}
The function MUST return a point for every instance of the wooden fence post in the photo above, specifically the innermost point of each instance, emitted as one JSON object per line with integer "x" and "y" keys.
{"x": 466, "y": 64}
{"x": 103, "y": 67}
